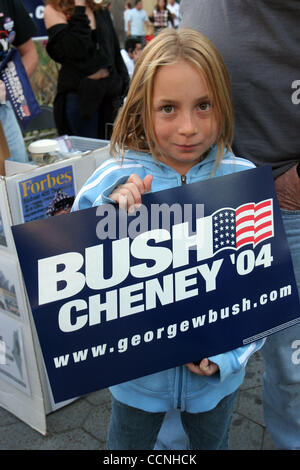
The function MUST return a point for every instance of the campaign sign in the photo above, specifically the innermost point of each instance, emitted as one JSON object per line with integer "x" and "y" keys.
{"x": 116, "y": 296}
{"x": 35, "y": 9}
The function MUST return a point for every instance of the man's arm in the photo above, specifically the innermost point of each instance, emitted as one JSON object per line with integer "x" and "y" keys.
{"x": 29, "y": 56}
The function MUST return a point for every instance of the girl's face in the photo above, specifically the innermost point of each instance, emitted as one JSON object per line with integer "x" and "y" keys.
{"x": 184, "y": 122}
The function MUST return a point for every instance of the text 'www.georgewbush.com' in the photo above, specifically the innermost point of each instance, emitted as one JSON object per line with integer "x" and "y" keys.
{"x": 174, "y": 329}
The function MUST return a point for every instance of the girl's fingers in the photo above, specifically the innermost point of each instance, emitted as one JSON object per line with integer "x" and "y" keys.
{"x": 135, "y": 179}
{"x": 129, "y": 195}
{"x": 122, "y": 197}
{"x": 147, "y": 181}
{"x": 205, "y": 367}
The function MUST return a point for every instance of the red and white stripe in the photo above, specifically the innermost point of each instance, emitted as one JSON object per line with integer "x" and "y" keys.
{"x": 254, "y": 223}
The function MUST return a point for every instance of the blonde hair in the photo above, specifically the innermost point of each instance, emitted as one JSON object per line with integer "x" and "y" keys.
{"x": 133, "y": 127}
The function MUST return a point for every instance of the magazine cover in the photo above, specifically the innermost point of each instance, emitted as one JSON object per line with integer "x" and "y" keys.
{"x": 47, "y": 194}
{"x": 6, "y": 240}
{"x": 12, "y": 358}
{"x": 11, "y": 299}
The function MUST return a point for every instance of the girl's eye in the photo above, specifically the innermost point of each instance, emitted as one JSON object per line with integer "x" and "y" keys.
{"x": 204, "y": 106}
{"x": 167, "y": 109}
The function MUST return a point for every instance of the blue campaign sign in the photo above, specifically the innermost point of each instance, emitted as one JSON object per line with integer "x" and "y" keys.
{"x": 116, "y": 296}
{"x": 36, "y": 10}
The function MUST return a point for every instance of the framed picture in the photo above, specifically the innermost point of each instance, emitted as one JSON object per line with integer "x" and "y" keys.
{"x": 13, "y": 368}
{"x": 12, "y": 299}
{"x": 6, "y": 239}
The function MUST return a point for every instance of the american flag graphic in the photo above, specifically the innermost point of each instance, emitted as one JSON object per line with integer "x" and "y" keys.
{"x": 249, "y": 223}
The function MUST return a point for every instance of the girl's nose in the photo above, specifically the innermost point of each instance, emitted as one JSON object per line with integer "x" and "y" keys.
{"x": 188, "y": 124}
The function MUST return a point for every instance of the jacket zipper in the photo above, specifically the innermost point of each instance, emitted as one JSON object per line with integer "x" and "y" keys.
{"x": 183, "y": 181}
{"x": 179, "y": 388}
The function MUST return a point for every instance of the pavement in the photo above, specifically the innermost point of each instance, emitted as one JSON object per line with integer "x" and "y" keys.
{"x": 82, "y": 425}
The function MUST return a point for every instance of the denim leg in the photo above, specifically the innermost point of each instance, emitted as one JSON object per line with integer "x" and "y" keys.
{"x": 281, "y": 353}
{"x": 13, "y": 134}
{"x": 210, "y": 430}
{"x": 171, "y": 434}
{"x": 131, "y": 428}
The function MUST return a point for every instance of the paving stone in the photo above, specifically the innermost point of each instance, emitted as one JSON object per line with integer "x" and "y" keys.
{"x": 100, "y": 397}
{"x": 97, "y": 422}
{"x": 6, "y": 418}
{"x": 254, "y": 372}
{"x": 245, "y": 434}
{"x": 69, "y": 417}
{"x": 20, "y": 436}
{"x": 250, "y": 405}
{"x": 77, "y": 439}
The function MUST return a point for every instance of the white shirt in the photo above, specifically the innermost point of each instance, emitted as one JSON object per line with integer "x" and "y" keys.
{"x": 126, "y": 16}
{"x": 137, "y": 20}
{"x": 175, "y": 10}
{"x": 128, "y": 62}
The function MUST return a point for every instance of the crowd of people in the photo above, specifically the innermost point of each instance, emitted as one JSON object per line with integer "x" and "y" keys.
{"x": 192, "y": 51}
{"x": 94, "y": 72}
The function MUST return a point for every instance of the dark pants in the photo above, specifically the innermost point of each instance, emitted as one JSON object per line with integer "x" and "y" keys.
{"x": 98, "y": 126}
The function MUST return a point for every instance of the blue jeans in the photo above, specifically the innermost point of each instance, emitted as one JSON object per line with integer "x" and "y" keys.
{"x": 281, "y": 353}
{"x": 13, "y": 133}
{"x": 134, "y": 429}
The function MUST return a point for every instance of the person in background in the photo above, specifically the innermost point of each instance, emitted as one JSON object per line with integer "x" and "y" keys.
{"x": 109, "y": 8}
{"x": 16, "y": 23}
{"x": 177, "y": 121}
{"x": 174, "y": 9}
{"x": 161, "y": 16}
{"x": 259, "y": 42}
{"x": 130, "y": 54}
{"x": 93, "y": 78}
{"x": 126, "y": 13}
{"x": 137, "y": 21}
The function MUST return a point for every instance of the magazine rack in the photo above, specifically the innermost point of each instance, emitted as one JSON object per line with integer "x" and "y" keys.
{"x": 25, "y": 195}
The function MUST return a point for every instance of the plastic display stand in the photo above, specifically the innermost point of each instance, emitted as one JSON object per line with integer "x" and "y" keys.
{"x": 24, "y": 386}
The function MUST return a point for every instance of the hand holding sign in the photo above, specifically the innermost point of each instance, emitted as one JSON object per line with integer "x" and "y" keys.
{"x": 128, "y": 195}
{"x": 205, "y": 367}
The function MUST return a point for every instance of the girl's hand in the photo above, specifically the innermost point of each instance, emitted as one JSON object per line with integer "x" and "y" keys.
{"x": 206, "y": 367}
{"x": 128, "y": 195}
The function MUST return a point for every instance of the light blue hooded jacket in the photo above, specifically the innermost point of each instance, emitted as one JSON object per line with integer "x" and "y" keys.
{"x": 177, "y": 387}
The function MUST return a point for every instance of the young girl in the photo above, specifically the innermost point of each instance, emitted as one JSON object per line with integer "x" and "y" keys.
{"x": 175, "y": 127}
